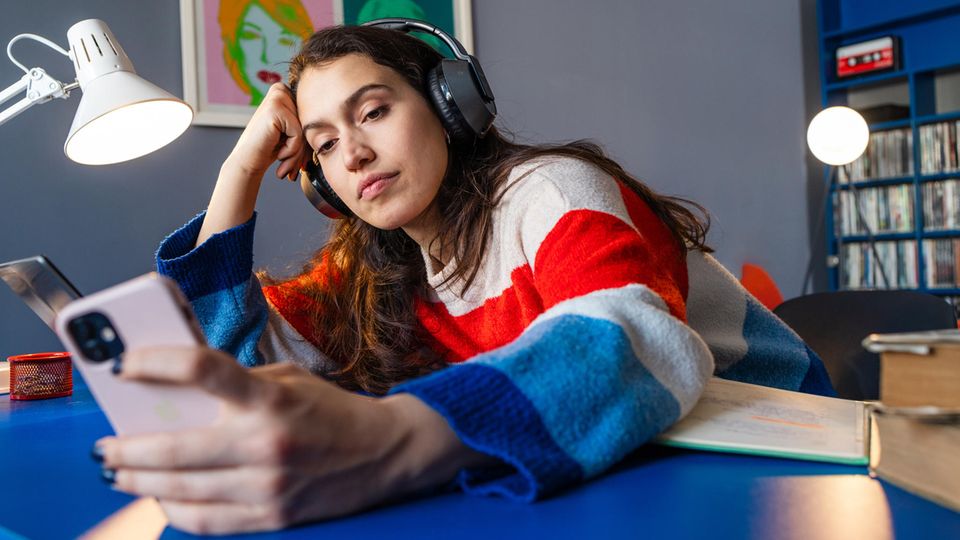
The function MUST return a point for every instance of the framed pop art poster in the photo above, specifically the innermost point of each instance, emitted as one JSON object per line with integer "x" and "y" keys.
{"x": 233, "y": 50}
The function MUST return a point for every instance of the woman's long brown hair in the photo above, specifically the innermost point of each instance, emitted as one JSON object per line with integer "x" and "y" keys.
{"x": 366, "y": 299}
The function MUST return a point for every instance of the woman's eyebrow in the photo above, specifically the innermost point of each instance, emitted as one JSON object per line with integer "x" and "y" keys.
{"x": 348, "y": 104}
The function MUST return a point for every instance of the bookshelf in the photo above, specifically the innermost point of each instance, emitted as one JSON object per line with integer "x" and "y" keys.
{"x": 907, "y": 184}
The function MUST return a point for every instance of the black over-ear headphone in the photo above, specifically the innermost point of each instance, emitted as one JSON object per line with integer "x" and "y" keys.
{"x": 460, "y": 95}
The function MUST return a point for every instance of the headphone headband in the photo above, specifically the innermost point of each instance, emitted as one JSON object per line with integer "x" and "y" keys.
{"x": 412, "y": 25}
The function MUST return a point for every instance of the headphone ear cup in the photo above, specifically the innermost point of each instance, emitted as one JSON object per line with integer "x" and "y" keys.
{"x": 320, "y": 194}
{"x": 450, "y": 116}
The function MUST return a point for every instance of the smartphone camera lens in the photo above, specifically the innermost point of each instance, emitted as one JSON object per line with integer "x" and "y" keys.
{"x": 96, "y": 337}
{"x": 81, "y": 329}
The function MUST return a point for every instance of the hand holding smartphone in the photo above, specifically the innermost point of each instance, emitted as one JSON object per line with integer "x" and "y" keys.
{"x": 147, "y": 311}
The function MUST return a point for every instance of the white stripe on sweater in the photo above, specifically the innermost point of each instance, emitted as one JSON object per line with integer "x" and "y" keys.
{"x": 716, "y": 308}
{"x": 538, "y": 194}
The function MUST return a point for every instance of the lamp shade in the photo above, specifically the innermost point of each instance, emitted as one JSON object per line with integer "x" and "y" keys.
{"x": 838, "y": 135}
{"x": 121, "y": 116}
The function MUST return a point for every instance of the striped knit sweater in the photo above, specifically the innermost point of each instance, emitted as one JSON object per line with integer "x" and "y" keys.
{"x": 585, "y": 333}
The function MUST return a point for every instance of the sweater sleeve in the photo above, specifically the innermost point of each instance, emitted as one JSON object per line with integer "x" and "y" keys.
{"x": 234, "y": 313}
{"x": 749, "y": 343}
{"x": 609, "y": 363}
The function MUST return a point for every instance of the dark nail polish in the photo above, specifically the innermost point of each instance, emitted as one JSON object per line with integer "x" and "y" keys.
{"x": 97, "y": 453}
{"x": 117, "y": 366}
{"x": 109, "y": 475}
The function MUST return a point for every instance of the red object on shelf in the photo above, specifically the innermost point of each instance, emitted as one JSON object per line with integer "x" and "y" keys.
{"x": 867, "y": 57}
{"x": 40, "y": 376}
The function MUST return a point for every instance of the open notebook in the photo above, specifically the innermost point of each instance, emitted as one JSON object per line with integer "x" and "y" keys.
{"x": 750, "y": 419}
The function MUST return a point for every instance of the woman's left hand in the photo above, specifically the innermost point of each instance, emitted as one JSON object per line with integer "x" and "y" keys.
{"x": 288, "y": 447}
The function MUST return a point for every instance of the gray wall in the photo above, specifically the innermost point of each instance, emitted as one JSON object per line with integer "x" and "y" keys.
{"x": 701, "y": 99}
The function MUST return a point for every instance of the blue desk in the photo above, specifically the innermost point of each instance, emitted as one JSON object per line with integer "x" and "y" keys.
{"x": 51, "y": 489}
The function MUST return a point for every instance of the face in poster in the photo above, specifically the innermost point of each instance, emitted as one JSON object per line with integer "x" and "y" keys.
{"x": 257, "y": 37}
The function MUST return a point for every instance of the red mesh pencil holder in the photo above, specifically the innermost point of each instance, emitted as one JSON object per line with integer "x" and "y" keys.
{"x": 40, "y": 375}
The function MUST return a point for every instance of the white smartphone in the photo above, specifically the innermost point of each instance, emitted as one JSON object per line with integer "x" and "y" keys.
{"x": 146, "y": 311}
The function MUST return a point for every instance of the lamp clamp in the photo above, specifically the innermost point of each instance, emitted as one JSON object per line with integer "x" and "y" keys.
{"x": 39, "y": 86}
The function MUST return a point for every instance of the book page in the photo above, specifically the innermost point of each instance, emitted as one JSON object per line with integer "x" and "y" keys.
{"x": 738, "y": 417}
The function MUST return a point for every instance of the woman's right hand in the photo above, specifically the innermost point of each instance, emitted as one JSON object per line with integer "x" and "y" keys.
{"x": 273, "y": 133}
{"x": 289, "y": 447}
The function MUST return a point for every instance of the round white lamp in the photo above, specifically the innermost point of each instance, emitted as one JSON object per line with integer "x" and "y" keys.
{"x": 838, "y": 135}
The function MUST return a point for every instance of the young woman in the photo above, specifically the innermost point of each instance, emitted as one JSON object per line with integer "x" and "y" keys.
{"x": 533, "y": 312}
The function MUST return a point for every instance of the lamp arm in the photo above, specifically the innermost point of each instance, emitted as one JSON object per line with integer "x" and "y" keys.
{"x": 40, "y": 88}
{"x": 14, "y": 89}
{"x": 39, "y": 85}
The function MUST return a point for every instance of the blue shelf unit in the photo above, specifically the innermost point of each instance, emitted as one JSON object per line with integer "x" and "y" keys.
{"x": 926, "y": 77}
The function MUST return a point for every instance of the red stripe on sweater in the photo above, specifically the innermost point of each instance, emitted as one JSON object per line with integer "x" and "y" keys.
{"x": 296, "y": 306}
{"x": 497, "y": 322}
{"x": 586, "y": 251}
{"x": 657, "y": 233}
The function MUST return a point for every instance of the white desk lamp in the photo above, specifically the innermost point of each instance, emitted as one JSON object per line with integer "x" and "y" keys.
{"x": 837, "y": 136}
{"x": 120, "y": 116}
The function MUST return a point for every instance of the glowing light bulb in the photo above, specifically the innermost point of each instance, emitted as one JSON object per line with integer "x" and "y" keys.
{"x": 838, "y": 135}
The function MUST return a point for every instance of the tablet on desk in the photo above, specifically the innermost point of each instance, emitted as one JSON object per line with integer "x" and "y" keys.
{"x": 40, "y": 285}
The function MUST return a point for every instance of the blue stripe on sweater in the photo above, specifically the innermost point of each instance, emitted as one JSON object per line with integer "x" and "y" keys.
{"x": 490, "y": 414}
{"x": 234, "y": 319}
{"x": 817, "y": 380}
{"x": 776, "y": 357}
{"x": 592, "y": 363}
{"x": 226, "y": 257}
{"x": 505, "y": 403}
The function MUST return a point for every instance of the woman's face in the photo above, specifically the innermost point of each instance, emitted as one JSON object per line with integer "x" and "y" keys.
{"x": 265, "y": 46}
{"x": 380, "y": 145}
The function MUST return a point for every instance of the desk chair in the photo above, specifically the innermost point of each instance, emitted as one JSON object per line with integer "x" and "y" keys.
{"x": 833, "y": 325}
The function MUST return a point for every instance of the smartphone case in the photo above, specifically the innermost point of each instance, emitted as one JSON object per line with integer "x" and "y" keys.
{"x": 146, "y": 311}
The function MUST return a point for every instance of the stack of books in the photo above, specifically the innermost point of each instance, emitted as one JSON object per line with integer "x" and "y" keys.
{"x": 916, "y": 436}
